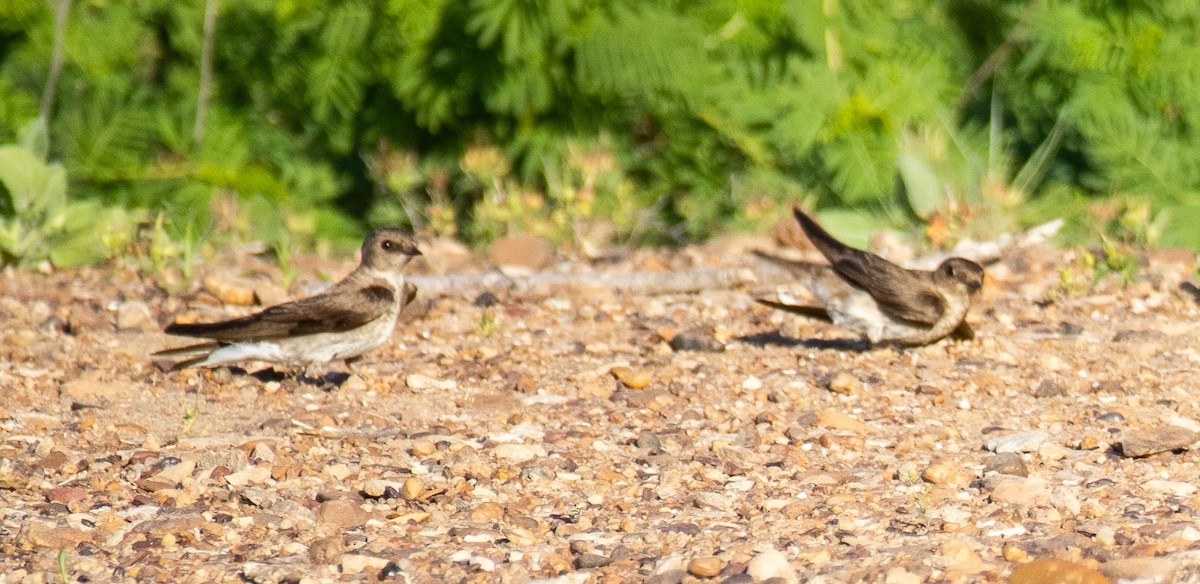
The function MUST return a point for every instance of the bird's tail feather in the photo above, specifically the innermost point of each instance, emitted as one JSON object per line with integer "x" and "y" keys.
{"x": 814, "y": 312}
{"x": 197, "y": 349}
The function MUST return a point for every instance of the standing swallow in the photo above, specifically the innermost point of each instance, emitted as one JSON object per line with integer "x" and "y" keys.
{"x": 881, "y": 300}
{"x": 354, "y": 316}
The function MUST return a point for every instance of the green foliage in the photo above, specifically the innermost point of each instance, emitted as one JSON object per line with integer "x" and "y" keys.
{"x": 648, "y": 121}
{"x": 37, "y": 220}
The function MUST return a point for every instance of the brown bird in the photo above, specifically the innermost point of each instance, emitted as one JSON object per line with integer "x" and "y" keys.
{"x": 879, "y": 299}
{"x": 354, "y": 316}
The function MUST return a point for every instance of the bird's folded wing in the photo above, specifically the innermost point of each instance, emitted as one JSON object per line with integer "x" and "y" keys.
{"x": 334, "y": 311}
{"x": 899, "y": 293}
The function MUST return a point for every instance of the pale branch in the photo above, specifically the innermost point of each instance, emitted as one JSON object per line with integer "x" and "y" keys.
{"x": 206, "y": 58}
{"x": 61, "y": 9}
{"x": 648, "y": 283}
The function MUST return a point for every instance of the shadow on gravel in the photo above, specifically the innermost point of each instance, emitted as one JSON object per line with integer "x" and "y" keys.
{"x": 330, "y": 379}
{"x": 775, "y": 339}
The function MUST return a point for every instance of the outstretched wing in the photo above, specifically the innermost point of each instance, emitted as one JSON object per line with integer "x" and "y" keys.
{"x": 334, "y": 311}
{"x": 900, "y": 293}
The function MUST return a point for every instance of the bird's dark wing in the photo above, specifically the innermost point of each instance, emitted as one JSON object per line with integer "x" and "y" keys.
{"x": 814, "y": 312}
{"x": 901, "y": 294}
{"x": 335, "y": 311}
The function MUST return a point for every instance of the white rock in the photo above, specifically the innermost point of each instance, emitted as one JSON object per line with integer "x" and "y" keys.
{"x": 254, "y": 474}
{"x": 419, "y": 382}
{"x": 1177, "y": 488}
{"x": 355, "y": 563}
{"x": 1028, "y": 441}
{"x": 519, "y": 452}
{"x": 771, "y": 564}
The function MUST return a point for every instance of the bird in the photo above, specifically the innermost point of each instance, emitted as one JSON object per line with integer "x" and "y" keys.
{"x": 878, "y": 299}
{"x": 352, "y": 317}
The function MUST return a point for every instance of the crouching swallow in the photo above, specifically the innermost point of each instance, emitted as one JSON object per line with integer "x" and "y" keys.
{"x": 354, "y": 316}
{"x": 882, "y": 301}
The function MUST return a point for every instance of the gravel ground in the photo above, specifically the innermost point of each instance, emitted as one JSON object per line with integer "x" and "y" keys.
{"x": 572, "y": 436}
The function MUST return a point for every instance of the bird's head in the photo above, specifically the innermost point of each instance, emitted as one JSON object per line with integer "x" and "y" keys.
{"x": 388, "y": 250}
{"x": 961, "y": 271}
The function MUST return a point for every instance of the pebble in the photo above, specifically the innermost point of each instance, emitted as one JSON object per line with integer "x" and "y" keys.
{"x": 1026, "y": 491}
{"x": 423, "y": 447}
{"x": 839, "y": 421}
{"x": 421, "y": 382}
{"x": 357, "y": 563}
{"x": 648, "y": 441}
{"x": 898, "y": 575}
{"x": 487, "y": 512}
{"x": 230, "y": 290}
{"x": 705, "y": 566}
{"x": 341, "y": 513}
{"x": 632, "y": 379}
{"x": 696, "y": 340}
{"x": 845, "y": 383}
{"x": 133, "y": 315}
{"x": 590, "y": 561}
{"x": 1028, "y": 441}
{"x": 1177, "y": 488}
{"x": 1007, "y": 463}
{"x": 1148, "y": 441}
{"x": 943, "y": 474}
{"x": 1144, "y": 570}
{"x": 1053, "y": 571}
{"x": 1050, "y": 388}
{"x": 770, "y": 564}
{"x": 412, "y": 489}
{"x": 254, "y": 474}
{"x": 519, "y": 452}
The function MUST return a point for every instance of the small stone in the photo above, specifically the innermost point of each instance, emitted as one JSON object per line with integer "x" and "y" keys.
{"x": 590, "y": 561}
{"x": 631, "y": 378}
{"x": 423, "y": 447}
{"x": 1113, "y": 418}
{"x": 1148, "y": 441}
{"x": 175, "y": 473}
{"x": 770, "y": 564}
{"x": 519, "y": 452}
{"x": 254, "y": 474}
{"x": 696, "y": 340}
{"x": 1027, "y": 491}
{"x": 133, "y": 315}
{"x": 1052, "y": 571}
{"x": 375, "y": 488}
{"x": 341, "y": 514}
{"x": 420, "y": 382}
{"x": 705, "y": 566}
{"x": 1014, "y": 553}
{"x": 944, "y": 474}
{"x": 1028, "y": 441}
{"x": 1177, "y": 488}
{"x": 845, "y": 383}
{"x": 487, "y": 512}
{"x": 65, "y": 494}
{"x": 648, "y": 441}
{"x": 1008, "y": 463}
{"x": 357, "y": 563}
{"x": 839, "y": 421}
{"x": 326, "y": 550}
{"x": 230, "y": 290}
{"x": 752, "y": 383}
{"x": 1050, "y": 388}
{"x": 667, "y": 577}
{"x": 412, "y": 489}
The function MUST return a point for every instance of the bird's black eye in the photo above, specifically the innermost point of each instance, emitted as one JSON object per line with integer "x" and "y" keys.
{"x": 387, "y": 244}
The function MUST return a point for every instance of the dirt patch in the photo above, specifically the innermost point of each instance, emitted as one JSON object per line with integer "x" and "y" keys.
{"x": 493, "y": 440}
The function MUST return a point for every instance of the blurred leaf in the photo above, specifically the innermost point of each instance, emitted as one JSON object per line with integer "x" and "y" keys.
{"x": 922, "y": 187}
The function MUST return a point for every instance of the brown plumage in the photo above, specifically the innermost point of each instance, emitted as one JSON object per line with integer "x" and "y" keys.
{"x": 879, "y": 299}
{"x": 352, "y": 317}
